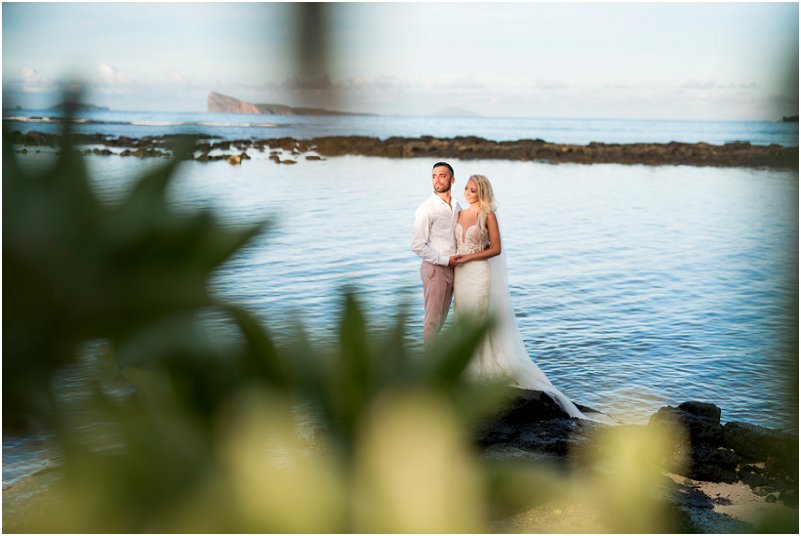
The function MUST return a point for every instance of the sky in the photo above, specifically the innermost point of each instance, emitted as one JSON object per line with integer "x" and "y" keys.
{"x": 716, "y": 61}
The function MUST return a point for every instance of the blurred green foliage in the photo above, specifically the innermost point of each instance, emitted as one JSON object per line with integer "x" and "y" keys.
{"x": 175, "y": 432}
{"x": 76, "y": 269}
{"x": 179, "y": 434}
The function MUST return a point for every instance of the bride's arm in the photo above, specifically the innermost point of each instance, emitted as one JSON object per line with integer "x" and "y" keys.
{"x": 495, "y": 242}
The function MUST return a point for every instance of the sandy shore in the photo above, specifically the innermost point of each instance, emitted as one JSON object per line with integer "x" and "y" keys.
{"x": 290, "y": 150}
{"x": 722, "y": 509}
{"x": 24, "y": 499}
{"x": 735, "y": 507}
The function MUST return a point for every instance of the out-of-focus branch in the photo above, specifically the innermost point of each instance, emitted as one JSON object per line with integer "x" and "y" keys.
{"x": 313, "y": 62}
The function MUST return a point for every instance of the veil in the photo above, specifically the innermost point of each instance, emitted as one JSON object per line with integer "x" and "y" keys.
{"x": 510, "y": 342}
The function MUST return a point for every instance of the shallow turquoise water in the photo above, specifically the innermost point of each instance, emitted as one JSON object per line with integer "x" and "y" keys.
{"x": 554, "y": 130}
{"x": 635, "y": 287}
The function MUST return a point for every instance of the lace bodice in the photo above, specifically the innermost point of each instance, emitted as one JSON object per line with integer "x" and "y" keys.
{"x": 475, "y": 239}
{"x": 481, "y": 288}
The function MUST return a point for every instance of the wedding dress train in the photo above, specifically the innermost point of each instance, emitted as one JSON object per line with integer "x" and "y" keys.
{"x": 481, "y": 289}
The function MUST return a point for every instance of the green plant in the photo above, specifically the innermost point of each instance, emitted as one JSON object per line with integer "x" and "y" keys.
{"x": 175, "y": 432}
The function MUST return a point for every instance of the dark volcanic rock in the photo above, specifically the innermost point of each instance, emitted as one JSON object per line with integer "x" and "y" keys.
{"x": 704, "y": 450}
{"x": 778, "y": 451}
{"x": 696, "y": 434}
{"x": 713, "y": 464}
{"x": 701, "y": 421}
{"x": 497, "y": 432}
{"x": 96, "y": 151}
{"x": 764, "y": 480}
{"x": 33, "y": 138}
{"x": 555, "y": 437}
{"x": 531, "y": 426}
{"x": 756, "y": 443}
{"x": 533, "y": 422}
{"x": 530, "y": 406}
{"x": 735, "y": 154}
{"x": 701, "y": 409}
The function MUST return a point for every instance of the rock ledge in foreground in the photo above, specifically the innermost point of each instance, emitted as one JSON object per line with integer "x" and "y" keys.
{"x": 532, "y": 424}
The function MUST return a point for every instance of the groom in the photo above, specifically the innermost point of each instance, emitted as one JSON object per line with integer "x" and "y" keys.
{"x": 435, "y": 243}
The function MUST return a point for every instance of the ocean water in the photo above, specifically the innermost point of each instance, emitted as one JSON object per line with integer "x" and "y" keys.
{"x": 576, "y": 131}
{"x": 634, "y": 287}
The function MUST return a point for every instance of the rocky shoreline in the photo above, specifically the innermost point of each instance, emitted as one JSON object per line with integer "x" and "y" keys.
{"x": 289, "y": 150}
{"x": 716, "y": 478}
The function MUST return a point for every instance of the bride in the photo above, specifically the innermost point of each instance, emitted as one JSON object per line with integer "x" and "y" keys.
{"x": 480, "y": 289}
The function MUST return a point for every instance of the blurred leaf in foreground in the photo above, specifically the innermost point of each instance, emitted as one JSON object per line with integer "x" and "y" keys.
{"x": 174, "y": 433}
{"x": 77, "y": 269}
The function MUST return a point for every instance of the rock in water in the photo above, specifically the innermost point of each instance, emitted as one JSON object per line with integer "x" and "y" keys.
{"x": 701, "y": 409}
{"x": 530, "y": 406}
{"x": 700, "y": 421}
{"x": 532, "y": 422}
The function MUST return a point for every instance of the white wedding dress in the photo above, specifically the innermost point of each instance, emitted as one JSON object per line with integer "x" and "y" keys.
{"x": 480, "y": 289}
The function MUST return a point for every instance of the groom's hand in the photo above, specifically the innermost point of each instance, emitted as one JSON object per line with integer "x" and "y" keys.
{"x": 452, "y": 261}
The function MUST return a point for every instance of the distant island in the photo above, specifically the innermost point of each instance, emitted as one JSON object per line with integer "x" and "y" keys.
{"x": 218, "y": 103}
{"x": 790, "y": 119}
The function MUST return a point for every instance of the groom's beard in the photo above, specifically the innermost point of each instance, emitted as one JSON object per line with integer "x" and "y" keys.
{"x": 442, "y": 190}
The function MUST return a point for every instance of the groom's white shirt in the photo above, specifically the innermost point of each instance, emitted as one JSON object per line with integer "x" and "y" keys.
{"x": 433, "y": 238}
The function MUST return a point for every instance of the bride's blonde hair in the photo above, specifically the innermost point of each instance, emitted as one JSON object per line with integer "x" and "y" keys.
{"x": 486, "y": 199}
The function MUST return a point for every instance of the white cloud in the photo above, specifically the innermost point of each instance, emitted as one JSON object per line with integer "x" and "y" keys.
{"x": 29, "y": 74}
{"x": 111, "y": 74}
{"x": 174, "y": 76}
{"x": 32, "y": 82}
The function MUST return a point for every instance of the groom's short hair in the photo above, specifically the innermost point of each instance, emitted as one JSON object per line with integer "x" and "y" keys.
{"x": 447, "y": 165}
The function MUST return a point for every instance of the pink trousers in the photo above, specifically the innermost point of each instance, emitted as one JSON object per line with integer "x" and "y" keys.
{"x": 437, "y": 294}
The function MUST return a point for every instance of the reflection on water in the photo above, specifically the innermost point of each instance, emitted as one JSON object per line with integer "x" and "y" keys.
{"x": 634, "y": 286}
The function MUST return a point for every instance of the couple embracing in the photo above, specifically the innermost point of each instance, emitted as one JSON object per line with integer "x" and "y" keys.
{"x": 463, "y": 259}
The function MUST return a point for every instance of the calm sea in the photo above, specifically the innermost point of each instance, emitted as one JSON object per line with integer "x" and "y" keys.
{"x": 634, "y": 286}
{"x": 578, "y": 131}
